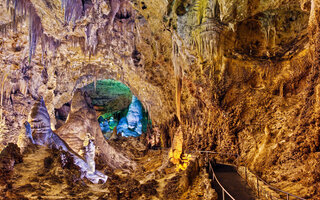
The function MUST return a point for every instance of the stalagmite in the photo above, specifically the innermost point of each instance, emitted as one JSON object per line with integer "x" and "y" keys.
{"x": 40, "y": 133}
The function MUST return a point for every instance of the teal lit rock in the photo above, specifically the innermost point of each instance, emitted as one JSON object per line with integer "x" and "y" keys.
{"x": 109, "y": 96}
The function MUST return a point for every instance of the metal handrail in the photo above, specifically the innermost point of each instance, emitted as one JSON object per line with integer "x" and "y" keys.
{"x": 222, "y": 188}
{"x": 274, "y": 188}
{"x": 258, "y": 178}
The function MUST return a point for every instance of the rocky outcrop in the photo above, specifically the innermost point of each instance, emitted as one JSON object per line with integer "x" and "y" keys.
{"x": 41, "y": 134}
{"x": 81, "y": 125}
{"x": 9, "y": 157}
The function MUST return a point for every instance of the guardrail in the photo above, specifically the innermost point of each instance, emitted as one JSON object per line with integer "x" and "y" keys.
{"x": 224, "y": 191}
{"x": 260, "y": 190}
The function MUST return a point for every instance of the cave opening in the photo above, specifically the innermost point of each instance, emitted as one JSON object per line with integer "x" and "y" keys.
{"x": 119, "y": 112}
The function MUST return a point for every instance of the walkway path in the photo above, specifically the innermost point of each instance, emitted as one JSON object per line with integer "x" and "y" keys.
{"x": 232, "y": 182}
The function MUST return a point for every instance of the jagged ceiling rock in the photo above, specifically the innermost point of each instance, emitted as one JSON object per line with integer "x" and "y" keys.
{"x": 270, "y": 31}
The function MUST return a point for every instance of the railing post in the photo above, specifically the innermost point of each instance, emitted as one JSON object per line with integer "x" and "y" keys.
{"x": 223, "y": 194}
{"x": 287, "y": 196}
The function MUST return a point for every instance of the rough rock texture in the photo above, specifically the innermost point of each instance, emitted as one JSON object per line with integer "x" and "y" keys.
{"x": 201, "y": 188}
{"x": 51, "y": 174}
{"x": 47, "y": 173}
{"x": 9, "y": 157}
{"x": 180, "y": 183}
{"x": 234, "y": 76}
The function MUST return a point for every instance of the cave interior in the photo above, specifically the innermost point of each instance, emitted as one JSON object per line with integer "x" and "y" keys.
{"x": 166, "y": 99}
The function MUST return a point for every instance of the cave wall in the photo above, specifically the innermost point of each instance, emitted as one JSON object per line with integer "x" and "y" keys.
{"x": 231, "y": 76}
{"x": 250, "y": 85}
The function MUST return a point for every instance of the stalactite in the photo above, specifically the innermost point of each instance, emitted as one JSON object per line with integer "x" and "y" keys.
{"x": 14, "y": 16}
{"x": 178, "y": 96}
{"x": 20, "y": 10}
{"x": 8, "y": 2}
{"x": 62, "y": 4}
{"x": 78, "y": 42}
{"x": 35, "y": 31}
{"x": 91, "y": 39}
{"x": 95, "y": 83}
{"x": 72, "y": 9}
{"x": 115, "y": 6}
{"x": 179, "y": 60}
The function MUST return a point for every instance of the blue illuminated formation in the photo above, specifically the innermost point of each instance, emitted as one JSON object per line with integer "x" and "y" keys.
{"x": 131, "y": 125}
{"x": 104, "y": 125}
{"x": 120, "y": 111}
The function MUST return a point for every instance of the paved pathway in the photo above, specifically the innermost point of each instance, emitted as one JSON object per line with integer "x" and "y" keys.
{"x": 232, "y": 182}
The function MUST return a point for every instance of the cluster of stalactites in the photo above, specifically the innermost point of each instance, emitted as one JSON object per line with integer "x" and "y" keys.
{"x": 205, "y": 39}
{"x": 72, "y": 9}
{"x": 4, "y": 28}
{"x": 20, "y": 9}
{"x": 36, "y": 35}
{"x": 179, "y": 58}
{"x": 35, "y": 32}
{"x": 91, "y": 39}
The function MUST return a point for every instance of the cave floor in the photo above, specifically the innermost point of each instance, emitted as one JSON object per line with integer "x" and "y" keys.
{"x": 42, "y": 176}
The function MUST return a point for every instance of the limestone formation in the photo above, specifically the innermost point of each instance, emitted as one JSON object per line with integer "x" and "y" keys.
{"x": 41, "y": 134}
{"x": 81, "y": 124}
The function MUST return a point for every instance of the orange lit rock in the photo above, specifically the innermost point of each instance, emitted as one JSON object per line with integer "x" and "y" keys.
{"x": 176, "y": 149}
